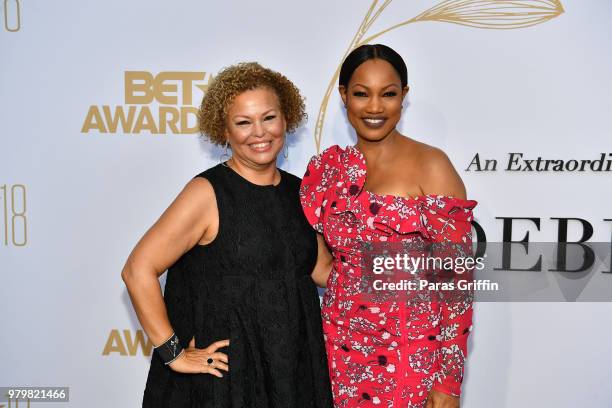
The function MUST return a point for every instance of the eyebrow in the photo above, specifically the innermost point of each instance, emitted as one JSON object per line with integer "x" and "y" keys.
{"x": 388, "y": 86}
{"x": 247, "y": 117}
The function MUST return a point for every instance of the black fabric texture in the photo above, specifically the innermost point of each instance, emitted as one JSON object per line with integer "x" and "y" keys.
{"x": 251, "y": 285}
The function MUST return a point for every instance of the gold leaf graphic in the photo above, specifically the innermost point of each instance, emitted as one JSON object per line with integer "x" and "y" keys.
{"x": 499, "y": 15}
{"x": 368, "y": 19}
{"x": 493, "y": 14}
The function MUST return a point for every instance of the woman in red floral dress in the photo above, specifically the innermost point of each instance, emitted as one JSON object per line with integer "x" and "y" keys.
{"x": 387, "y": 188}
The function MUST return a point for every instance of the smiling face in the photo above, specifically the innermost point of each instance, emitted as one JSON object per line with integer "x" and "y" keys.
{"x": 373, "y": 99}
{"x": 255, "y": 127}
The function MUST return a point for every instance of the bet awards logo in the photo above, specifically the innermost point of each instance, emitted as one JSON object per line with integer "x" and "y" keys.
{"x": 156, "y": 104}
{"x": 127, "y": 343}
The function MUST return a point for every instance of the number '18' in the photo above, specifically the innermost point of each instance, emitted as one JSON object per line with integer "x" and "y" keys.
{"x": 14, "y": 214}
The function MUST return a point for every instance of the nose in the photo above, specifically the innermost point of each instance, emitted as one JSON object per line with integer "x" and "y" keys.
{"x": 374, "y": 105}
{"x": 258, "y": 129}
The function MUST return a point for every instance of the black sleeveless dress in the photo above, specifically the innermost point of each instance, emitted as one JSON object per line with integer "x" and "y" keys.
{"x": 251, "y": 285}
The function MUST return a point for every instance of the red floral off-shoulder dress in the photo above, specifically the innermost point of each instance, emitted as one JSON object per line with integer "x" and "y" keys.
{"x": 384, "y": 354}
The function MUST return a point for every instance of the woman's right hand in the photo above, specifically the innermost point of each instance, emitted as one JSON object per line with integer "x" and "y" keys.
{"x": 194, "y": 360}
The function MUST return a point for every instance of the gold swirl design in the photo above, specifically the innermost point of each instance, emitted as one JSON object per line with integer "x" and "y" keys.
{"x": 495, "y": 15}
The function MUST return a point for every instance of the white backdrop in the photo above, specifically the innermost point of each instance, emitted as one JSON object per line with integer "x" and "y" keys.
{"x": 542, "y": 90}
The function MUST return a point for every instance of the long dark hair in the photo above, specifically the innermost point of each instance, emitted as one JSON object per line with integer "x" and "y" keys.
{"x": 372, "y": 51}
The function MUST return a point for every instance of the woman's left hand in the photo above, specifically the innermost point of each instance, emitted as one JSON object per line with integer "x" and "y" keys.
{"x": 437, "y": 399}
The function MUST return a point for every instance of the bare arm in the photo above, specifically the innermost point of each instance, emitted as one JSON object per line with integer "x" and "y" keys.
{"x": 192, "y": 217}
{"x": 324, "y": 263}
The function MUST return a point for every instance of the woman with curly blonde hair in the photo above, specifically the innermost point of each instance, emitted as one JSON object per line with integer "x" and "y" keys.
{"x": 239, "y": 323}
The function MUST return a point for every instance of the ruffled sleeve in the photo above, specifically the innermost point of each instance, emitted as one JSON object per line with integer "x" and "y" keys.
{"x": 448, "y": 218}
{"x": 449, "y": 225}
{"x": 321, "y": 174}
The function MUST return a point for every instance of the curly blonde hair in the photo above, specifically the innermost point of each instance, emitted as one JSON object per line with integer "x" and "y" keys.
{"x": 234, "y": 80}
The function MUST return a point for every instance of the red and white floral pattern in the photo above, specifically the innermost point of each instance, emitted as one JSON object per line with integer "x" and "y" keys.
{"x": 387, "y": 353}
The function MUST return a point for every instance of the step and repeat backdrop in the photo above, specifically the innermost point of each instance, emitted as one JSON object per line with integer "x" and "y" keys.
{"x": 98, "y": 135}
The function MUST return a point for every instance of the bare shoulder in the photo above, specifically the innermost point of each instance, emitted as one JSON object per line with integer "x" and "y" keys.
{"x": 192, "y": 217}
{"x": 435, "y": 159}
{"x": 196, "y": 200}
{"x": 424, "y": 156}
{"x": 200, "y": 189}
{"x": 191, "y": 214}
{"x": 438, "y": 173}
